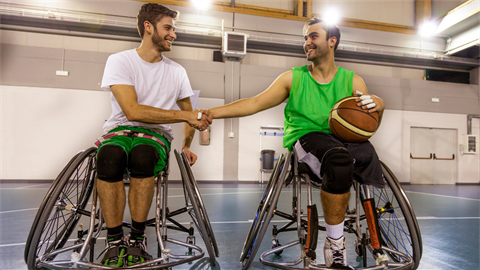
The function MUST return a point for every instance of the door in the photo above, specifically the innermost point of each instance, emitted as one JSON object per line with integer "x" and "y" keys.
{"x": 432, "y": 156}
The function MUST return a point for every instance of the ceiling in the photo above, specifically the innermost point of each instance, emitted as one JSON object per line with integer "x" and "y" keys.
{"x": 78, "y": 24}
{"x": 462, "y": 26}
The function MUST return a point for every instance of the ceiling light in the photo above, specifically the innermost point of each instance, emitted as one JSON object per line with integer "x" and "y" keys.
{"x": 202, "y": 4}
{"x": 427, "y": 29}
{"x": 331, "y": 16}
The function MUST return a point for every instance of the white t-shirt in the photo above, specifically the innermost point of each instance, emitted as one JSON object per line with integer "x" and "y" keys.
{"x": 159, "y": 85}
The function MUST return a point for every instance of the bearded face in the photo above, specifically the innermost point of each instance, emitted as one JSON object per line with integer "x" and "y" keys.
{"x": 163, "y": 44}
{"x": 316, "y": 44}
{"x": 164, "y": 34}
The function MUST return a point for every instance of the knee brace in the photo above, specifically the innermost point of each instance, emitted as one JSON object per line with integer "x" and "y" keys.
{"x": 111, "y": 163}
{"x": 142, "y": 161}
{"x": 337, "y": 168}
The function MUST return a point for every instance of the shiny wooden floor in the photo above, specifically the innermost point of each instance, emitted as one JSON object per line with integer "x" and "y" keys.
{"x": 449, "y": 219}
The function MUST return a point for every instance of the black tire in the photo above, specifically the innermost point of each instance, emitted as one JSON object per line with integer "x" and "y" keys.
{"x": 193, "y": 202}
{"x": 264, "y": 213}
{"x": 55, "y": 224}
{"x": 42, "y": 205}
{"x": 206, "y": 220}
{"x": 261, "y": 210}
{"x": 399, "y": 228}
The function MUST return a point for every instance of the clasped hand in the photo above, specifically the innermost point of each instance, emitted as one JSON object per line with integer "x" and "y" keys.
{"x": 201, "y": 119}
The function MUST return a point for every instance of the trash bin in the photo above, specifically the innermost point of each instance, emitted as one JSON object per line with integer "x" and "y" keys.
{"x": 267, "y": 159}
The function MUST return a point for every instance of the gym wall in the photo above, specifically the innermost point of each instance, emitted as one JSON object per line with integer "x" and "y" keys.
{"x": 46, "y": 118}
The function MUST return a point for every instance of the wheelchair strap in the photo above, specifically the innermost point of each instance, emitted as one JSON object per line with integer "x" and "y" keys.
{"x": 128, "y": 133}
{"x": 135, "y": 251}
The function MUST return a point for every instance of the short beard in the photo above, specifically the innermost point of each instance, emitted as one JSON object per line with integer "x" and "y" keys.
{"x": 320, "y": 52}
{"x": 158, "y": 42}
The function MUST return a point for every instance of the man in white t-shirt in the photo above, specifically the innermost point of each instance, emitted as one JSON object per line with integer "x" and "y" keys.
{"x": 145, "y": 87}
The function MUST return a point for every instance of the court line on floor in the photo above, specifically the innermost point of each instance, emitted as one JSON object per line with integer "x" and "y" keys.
{"x": 29, "y": 186}
{"x": 272, "y": 221}
{"x": 170, "y": 196}
{"x": 440, "y": 195}
{"x": 19, "y": 210}
{"x": 446, "y": 218}
{"x": 23, "y": 187}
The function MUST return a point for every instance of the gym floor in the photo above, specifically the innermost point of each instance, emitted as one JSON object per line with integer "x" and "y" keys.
{"x": 449, "y": 219}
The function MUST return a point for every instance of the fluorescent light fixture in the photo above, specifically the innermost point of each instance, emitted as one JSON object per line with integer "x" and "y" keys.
{"x": 331, "y": 16}
{"x": 427, "y": 29}
{"x": 202, "y": 5}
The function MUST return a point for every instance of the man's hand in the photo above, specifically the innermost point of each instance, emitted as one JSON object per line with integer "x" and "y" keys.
{"x": 190, "y": 156}
{"x": 371, "y": 103}
{"x": 200, "y": 119}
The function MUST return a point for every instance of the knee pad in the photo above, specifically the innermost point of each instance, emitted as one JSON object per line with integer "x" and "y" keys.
{"x": 111, "y": 163}
{"x": 142, "y": 161}
{"x": 337, "y": 168}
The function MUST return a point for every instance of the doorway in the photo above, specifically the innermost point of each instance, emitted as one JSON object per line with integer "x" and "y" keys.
{"x": 432, "y": 156}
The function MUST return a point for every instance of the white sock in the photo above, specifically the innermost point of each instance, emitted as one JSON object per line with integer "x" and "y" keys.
{"x": 335, "y": 232}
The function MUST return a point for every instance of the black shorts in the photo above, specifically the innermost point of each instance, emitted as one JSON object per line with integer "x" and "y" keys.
{"x": 312, "y": 147}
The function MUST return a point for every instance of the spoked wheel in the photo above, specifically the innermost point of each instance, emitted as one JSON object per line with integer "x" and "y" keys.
{"x": 62, "y": 208}
{"x": 399, "y": 228}
{"x": 195, "y": 207}
{"x": 42, "y": 205}
{"x": 202, "y": 208}
{"x": 264, "y": 213}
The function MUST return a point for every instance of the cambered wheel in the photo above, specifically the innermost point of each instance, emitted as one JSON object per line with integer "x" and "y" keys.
{"x": 55, "y": 223}
{"x": 399, "y": 228}
{"x": 196, "y": 208}
{"x": 264, "y": 212}
{"x": 42, "y": 205}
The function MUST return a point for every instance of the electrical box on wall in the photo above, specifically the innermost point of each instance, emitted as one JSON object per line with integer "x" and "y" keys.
{"x": 205, "y": 137}
{"x": 470, "y": 144}
{"x": 234, "y": 45}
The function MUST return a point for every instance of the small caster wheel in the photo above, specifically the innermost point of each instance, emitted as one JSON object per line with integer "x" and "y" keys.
{"x": 275, "y": 244}
{"x": 358, "y": 248}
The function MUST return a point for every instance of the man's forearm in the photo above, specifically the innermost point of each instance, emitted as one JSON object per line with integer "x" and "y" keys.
{"x": 239, "y": 108}
{"x": 188, "y": 133}
{"x": 148, "y": 114}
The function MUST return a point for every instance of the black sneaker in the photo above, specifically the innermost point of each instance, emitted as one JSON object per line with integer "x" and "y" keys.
{"x": 137, "y": 250}
{"x": 115, "y": 252}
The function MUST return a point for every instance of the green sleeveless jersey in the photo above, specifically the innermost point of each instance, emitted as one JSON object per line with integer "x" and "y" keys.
{"x": 310, "y": 102}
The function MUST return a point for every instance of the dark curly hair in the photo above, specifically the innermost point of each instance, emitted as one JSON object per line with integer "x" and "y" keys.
{"x": 331, "y": 29}
{"x": 153, "y": 13}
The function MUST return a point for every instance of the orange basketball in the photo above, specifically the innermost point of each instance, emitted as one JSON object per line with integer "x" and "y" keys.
{"x": 350, "y": 123}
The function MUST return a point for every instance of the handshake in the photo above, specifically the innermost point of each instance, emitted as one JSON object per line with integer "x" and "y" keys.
{"x": 200, "y": 119}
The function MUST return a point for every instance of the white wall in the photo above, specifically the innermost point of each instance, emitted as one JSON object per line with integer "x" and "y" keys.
{"x": 42, "y": 128}
{"x": 209, "y": 165}
{"x": 249, "y": 140}
{"x": 391, "y": 11}
{"x": 392, "y": 141}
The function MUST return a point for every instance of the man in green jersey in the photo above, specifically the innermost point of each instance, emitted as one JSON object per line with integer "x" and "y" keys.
{"x": 312, "y": 90}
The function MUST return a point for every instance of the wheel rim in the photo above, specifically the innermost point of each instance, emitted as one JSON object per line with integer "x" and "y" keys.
{"x": 63, "y": 215}
{"x": 393, "y": 228}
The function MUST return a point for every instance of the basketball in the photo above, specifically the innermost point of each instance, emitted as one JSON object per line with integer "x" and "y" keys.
{"x": 350, "y": 123}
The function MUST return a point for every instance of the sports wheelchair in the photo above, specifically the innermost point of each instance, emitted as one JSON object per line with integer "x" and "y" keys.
{"x": 49, "y": 244}
{"x": 393, "y": 235}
